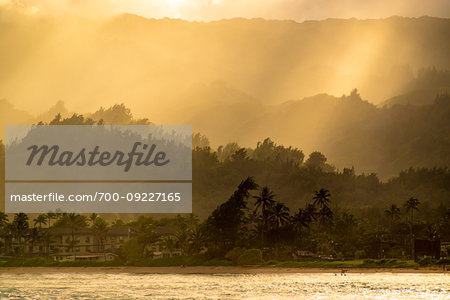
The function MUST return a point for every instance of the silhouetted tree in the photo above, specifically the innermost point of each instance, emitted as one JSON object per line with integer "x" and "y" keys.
{"x": 225, "y": 221}
{"x": 411, "y": 205}
{"x": 264, "y": 200}
{"x": 393, "y": 212}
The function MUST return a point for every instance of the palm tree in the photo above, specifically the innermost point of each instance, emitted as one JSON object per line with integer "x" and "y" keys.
{"x": 40, "y": 220}
{"x": 74, "y": 222}
{"x": 302, "y": 219}
{"x": 192, "y": 220}
{"x": 3, "y": 219}
{"x": 100, "y": 228}
{"x": 265, "y": 201}
{"x": 311, "y": 211}
{"x": 325, "y": 215}
{"x": 278, "y": 216}
{"x": 20, "y": 225}
{"x": 321, "y": 198}
{"x": 47, "y": 239}
{"x": 197, "y": 239}
{"x": 393, "y": 212}
{"x": 349, "y": 221}
{"x": 182, "y": 237}
{"x": 50, "y": 216}
{"x": 168, "y": 243}
{"x": 92, "y": 218}
{"x": 411, "y": 205}
{"x": 34, "y": 236}
{"x": 3, "y": 225}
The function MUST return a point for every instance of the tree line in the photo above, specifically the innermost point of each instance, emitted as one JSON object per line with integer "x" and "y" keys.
{"x": 252, "y": 218}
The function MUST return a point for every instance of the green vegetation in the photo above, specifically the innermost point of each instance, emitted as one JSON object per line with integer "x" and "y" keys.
{"x": 161, "y": 262}
{"x": 289, "y": 207}
{"x": 250, "y": 257}
{"x": 191, "y": 261}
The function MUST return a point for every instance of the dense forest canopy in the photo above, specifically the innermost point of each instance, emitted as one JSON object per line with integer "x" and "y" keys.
{"x": 286, "y": 199}
{"x": 273, "y": 167}
{"x": 242, "y": 80}
{"x": 294, "y": 174}
{"x": 348, "y": 130}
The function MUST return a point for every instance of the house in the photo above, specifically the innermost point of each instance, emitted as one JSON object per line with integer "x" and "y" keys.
{"x": 163, "y": 248}
{"x": 65, "y": 241}
{"x": 86, "y": 240}
{"x": 85, "y": 244}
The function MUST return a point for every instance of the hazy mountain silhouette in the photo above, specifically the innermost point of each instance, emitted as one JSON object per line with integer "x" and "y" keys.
{"x": 227, "y": 78}
{"x": 152, "y": 65}
{"x": 349, "y": 130}
{"x": 423, "y": 88}
{"x": 9, "y": 115}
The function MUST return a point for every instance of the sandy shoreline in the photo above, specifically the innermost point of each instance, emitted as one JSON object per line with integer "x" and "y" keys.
{"x": 208, "y": 270}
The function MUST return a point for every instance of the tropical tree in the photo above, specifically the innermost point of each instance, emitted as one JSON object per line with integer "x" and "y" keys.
{"x": 118, "y": 223}
{"x": 321, "y": 198}
{"x": 34, "y": 236}
{"x": 46, "y": 238}
{"x": 278, "y": 216}
{"x": 92, "y": 218}
{"x": 183, "y": 237}
{"x": 168, "y": 243}
{"x": 224, "y": 223}
{"x": 3, "y": 219}
{"x": 302, "y": 219}
{"x": 348, "y": 221}
{"x": 393, "y": 212}
{"x": 74, "y": 222}
{"x": 411, "y": 205}
{"x": 197, "y": 239}
{"x": 3, "y": 226}
{"x": 20, "y": 226}
{"x": 264, "y": 200}
{"x": 311, "y": 211}
{"x": 50, "y": 216}
{"x": 40, "y": 220}
{"x": 325, "y": 215}
{"x": 100, "y": 227}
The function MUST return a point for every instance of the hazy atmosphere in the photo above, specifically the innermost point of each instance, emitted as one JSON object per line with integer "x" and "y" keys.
{"x": 320, "y": 147}
{"x": 238, "y": 80}
{"x": 207, "y": 10}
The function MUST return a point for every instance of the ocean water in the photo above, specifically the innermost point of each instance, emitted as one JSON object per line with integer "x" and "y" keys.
{"x": 225, "y": 286}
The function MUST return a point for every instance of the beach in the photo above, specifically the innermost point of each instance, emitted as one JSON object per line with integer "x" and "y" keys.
{"x": 211, "y": 270}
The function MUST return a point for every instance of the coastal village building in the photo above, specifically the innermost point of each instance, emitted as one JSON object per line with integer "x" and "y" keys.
{"x": 65, "y": 244}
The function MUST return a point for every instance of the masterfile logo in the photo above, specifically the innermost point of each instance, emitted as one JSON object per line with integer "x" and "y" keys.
{"x": 133, "y": 168}
{"x": 99, "y": 152}
{"x": 95, "y": 157}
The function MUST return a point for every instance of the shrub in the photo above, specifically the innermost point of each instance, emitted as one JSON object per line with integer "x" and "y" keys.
{"x": 444, "y": 261}
{"x": 425, "y": 261}
{"x": 360, "y": 254}
{"x": 234, "y": 254}
{"x": 250, "y": 257}
{"x": 340, "y": 256}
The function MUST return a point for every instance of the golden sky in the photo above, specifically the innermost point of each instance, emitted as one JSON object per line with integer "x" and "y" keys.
{"x": 207, "y": 10}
